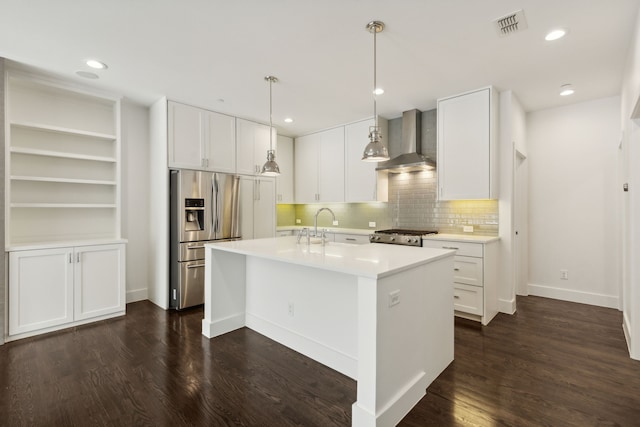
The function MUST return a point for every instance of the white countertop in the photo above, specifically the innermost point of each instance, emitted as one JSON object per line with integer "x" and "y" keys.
{"x": 368, "y": 260}
{"x": 462, "y": 238}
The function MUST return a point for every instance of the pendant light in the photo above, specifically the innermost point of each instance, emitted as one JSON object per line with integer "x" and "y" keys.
{"x": 270, "y": 168}
{"x": 375, "y": 151}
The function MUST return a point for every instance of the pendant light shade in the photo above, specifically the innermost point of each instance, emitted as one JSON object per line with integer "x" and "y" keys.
{"x": 375, "y": 151}
{"x": 270, "y": 168}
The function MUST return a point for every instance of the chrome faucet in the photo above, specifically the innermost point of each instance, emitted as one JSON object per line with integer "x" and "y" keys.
{"x": 315, "y": 220}
{"x": 304, "y": 231}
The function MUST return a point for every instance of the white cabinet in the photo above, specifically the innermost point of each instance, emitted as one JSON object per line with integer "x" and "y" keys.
{"x": 467, "y": 148}
{"x": 257, "y": 207}
{"x": 475, "y": 287}
{"x": 356, "y": 239}
{"x": 200, "y": 139}
{"x": 319, "y": 167}
{"x": 54, "y": 288}
{"x": 284, "y": 182}
{"x": 252, "y": 143}
{"x": 63, "y": 162}
{"x": 361, "y": 178}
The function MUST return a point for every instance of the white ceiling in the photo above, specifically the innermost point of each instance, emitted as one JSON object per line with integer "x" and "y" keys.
{"x": 215, "y": 53}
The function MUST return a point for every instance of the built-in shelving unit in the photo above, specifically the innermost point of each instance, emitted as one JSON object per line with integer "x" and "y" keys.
{"x": 62, "y": 162}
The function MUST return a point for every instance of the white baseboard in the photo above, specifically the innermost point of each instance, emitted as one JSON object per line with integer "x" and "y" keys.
{"x": 137, "y": 295}
{"x": 609, "y": 301}
{"x": 507, "y": 306}
{"x": 331, "y": 357}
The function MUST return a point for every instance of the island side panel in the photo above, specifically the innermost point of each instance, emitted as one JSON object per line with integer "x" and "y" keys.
{"x": 310, "y": 310}
{"x": 405, "y": 340}
{"x": 225, "y": 278}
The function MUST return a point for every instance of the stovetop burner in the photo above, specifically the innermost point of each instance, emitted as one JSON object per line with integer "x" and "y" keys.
{"x": 400, "y": 236}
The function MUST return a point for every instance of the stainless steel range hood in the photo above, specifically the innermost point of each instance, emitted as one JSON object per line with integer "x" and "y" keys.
{"x": 411, "y": 158}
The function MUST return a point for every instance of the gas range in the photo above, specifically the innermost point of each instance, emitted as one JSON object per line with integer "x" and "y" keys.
{"x": 399, "y": 236}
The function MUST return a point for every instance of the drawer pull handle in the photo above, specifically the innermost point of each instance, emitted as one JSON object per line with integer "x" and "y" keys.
{"x": 450, "y": 247}
{"x": 456, "y": 296}
{"x": 350, "y": 238}
{"x": 195, "y": 266}
{"x": 456, "y": 269}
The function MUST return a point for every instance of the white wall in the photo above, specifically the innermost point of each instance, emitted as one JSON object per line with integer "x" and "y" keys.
{"x": 629, "y": 202}
{"x": 572, "y": 154}
{"x": 135, "y": 200}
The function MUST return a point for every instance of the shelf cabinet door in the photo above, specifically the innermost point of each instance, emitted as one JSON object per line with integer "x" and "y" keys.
{"x": 185, "y": 135}
{"x": 284, "y": 182}
{"x": 40, "y": 289}
{"x": 264, "y": 218}
{"x": 465, "y": 147}
{"x": 252, "y": 143}
{"x": 220, "y": 142}
{"x": 306, "y": 168}
{"x": 99, "y": 280}
{"x": 360, "y": 177}
{"x": 331, "y": 166}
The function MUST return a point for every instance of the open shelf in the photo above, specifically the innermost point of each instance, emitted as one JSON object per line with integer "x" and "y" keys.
{"x": 63, "y": 162}
{"x": 62, "y": 180}
{"x": 48, "y": 153}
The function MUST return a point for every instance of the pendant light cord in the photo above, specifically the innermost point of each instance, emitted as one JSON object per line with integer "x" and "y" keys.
{"x": 375, "y": 110}
{"x": 270, "y": 115}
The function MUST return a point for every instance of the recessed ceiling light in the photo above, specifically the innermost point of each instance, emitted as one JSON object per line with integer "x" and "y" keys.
{"x": 96, "y": 64}
{"x": 288, "y": 120}
{"x": 378, "y": 91}
{"x": 555, "y": 34}
{"x": 87, "y": 74}
{"x": 566, "y": 90}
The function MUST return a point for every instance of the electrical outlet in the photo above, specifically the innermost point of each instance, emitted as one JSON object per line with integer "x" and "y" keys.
{"x": 334, "y": 223}
{"x": 372, "y": 223}
{"x": 394, "y": 298}
{"x": 467, "y": 228}
{"x": 291, "y": 309}
{"x": 564, "y": 274}
{"x": 298, "y": 221}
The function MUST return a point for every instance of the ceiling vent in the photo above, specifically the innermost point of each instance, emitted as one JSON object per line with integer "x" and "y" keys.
{"x": 511, "y": 23}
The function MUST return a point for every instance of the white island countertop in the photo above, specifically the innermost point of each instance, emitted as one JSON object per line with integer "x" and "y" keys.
{"x": 367, "y": 260}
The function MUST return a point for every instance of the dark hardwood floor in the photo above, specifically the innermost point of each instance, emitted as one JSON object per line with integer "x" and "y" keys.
{"x": 552, "y": 364}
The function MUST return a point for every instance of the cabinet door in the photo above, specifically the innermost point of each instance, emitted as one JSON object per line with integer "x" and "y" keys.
{"x": 284, "y": 182}
{"x": 99, "y": 281}
{"x": 261, "y": 145}
{"x": 331, "y": 166}
{"x": 306, "y": 168}
{"x": 245, "y": 141}
{"x": 220, "y": 142}
{"x": 247, "y": 187}
{"x": 264, "y": 212}
{"x": 40, "y": 289}
{"x": 185, "y": 137}
{"x": 464, "y": 146}
{"x": 360, "y": 177}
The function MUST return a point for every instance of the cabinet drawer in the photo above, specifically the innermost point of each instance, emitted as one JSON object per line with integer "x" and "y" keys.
{"x": 284, "y": 233}
{"x": 467, "y": 299}
{"x": 462, "y": 248}
{"x": 467, "y": 270}
{"x": 356, "y": 239}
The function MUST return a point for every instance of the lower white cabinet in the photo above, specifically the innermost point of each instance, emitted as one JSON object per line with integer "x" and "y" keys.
{"x": 475, "y": 287}
{"x": 54, "y": 288}
{"x": 356, "y": 239}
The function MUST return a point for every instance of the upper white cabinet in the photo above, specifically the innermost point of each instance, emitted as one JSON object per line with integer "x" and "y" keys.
{"x": 63, "y": 162}
{"x": 319, "y": 167}
{"x": 201, "y": 139}
{"x": 467, "y": 148}
{"x": 361, "y": 178}
{"x": 252, "y": 144}
{"x": 284, "y": 182}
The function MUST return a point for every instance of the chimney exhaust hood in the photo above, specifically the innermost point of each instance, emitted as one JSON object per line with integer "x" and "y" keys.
{"x": 411, "y": 159}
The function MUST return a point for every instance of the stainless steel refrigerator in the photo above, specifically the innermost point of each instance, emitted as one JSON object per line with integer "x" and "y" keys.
{"x": 204, "y": 207}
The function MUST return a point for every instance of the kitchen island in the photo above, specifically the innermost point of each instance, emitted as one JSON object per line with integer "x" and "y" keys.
{"x": 380, "y": 314}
